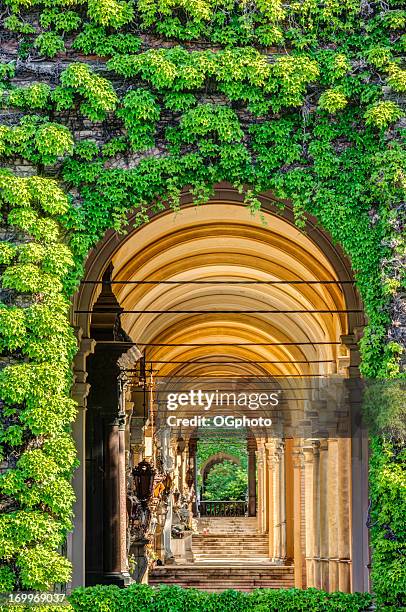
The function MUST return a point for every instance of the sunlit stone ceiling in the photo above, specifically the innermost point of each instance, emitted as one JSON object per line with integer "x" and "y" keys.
{"x": 223, "y": 242}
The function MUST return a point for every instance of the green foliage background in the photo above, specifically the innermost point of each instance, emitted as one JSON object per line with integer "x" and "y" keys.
{"x": 226, "y": 481}
{"x": 302, "y": 99}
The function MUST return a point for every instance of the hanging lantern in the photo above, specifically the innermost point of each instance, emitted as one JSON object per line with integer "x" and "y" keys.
{"x": 181, "y": 445}
{"x": 143, "y": 476}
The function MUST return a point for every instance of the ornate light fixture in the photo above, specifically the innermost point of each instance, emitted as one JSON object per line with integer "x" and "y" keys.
{"x": 181, "y": 445}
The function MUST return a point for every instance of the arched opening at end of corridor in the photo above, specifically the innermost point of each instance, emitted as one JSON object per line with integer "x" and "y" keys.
{"x": 212, "y": 328}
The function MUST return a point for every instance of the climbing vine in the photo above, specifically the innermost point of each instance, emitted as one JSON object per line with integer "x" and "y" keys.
{"x": 130, "y": 103}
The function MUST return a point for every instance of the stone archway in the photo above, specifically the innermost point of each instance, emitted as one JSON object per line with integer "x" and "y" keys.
{"x": 214, "y": 460}
{"x": 217, "y": 458}
{"x": 313, "y": 333}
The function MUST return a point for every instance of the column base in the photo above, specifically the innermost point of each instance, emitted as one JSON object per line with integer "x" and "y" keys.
{"x": 120, "y": 579}
{"x": 140, "y": 561}
{"x": 279, "y": 561}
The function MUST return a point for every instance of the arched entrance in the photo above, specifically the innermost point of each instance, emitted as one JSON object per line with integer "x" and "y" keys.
{"x": 216, "y": 459}
{"x": 214, "y": 293}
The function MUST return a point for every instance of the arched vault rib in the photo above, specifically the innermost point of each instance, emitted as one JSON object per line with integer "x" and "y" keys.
{"x": 220, "y": 249}
{"x": 222, "y": 241}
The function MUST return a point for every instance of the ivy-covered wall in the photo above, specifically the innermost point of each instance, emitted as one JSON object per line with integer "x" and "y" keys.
{"x": 110, "y": 106}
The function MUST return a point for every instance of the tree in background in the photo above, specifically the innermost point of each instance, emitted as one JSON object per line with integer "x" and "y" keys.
{"x": 226, "y": 481}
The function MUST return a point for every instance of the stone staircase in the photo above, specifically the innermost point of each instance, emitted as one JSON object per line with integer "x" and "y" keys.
{"x": 228, "y": 553}
{"x": 232, "y": 546}
{"x": 217, "y": 578}
{"x": 225, "y": 525}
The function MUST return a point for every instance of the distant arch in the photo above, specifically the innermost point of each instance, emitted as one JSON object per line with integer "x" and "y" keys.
{"x": 213, "y": 460}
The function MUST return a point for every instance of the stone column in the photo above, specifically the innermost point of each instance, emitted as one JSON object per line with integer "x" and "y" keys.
{"x": 105, "y": 461}
{"x": 193, "y": 466}
{"x": 261, "y": 489}
{"x": 297, "y": 513}
{"x": 252, "y": 477}
{"x": 123, "y": 384}
{"x": 282, "y": 501}
{"x": 308, "y": 455}
{"x": 333, "y": 503}
{"x": 270, "y": 464}
{"x": 123, "y": 496}
{"x": 323, "y": 546}
{"x": 316, "y": 515}
{"x": 112, "y": 533}
{"x": 289, "y": 497}
{"x": 80, "y": 391}
{"x": 343, "y": 527}
{"x": 277, "y": 508}
{"x": 359, "y": 473}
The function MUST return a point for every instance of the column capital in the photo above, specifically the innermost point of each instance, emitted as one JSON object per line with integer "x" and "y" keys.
{"x": 272, "y": 458}
{"x": 86, "y": 346}
{"x": 80, "y": 391}
{"x": 260, "y": 442}
{"x": 351, "y": 342}
{"x": 297, "y": 457}
{"x": 280, "y": 448}
{"x": 192, "y": 445}
{"x": 324, "y": 444}
{"x": 260, "y": 457}
{"x": 308, "y": 453}
{"x": 316, "y": 447}
{"x": 251, "y": 445}
{"x": 271, "y": 446}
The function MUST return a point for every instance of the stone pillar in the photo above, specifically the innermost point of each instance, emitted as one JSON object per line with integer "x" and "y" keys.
{"x": 316, "y": 515}
{"x": 277, "y": 508}
{"x": 289, "y": 496}
{"x": 308, "y": 455}
{"x": 297, "y": 513}
{"x": 193, "y": 466}
{"x": 105, "y": 464}
{"x": 343, "y": 526}
{"x": 359, "y": 473}
{"x": 282, "y": 501}
{"x": 270, "y": 465}
{"x": 252, "y": 477}
{"x": 80, "y": 391}
{"x": 123, "y": 496}
{"x": 323, "y": 534}
{"x": 261, "y": 489}
{"x": 333, "y": 503}
{"x": 112, "y": 535}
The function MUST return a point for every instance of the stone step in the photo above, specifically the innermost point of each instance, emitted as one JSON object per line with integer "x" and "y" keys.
{"x": 231, "y": 536}
{"x": 213, "y": 537}
{"x": 249, "y": 552}
{"x": 234, "y": 547}
{"x": 210, "y": 549}
{"x": 228, "y": 525}
{"x": 208, "y": 537}
{"x": 230, "y": 556}
{"x": 219, "y": 577}
{"x": 224, "y": 544}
